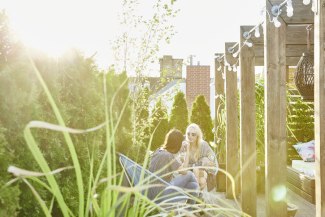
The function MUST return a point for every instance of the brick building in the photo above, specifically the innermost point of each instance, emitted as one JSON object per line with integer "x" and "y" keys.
{"x": 197, "y": 83}
{"x": 170, "y": 68}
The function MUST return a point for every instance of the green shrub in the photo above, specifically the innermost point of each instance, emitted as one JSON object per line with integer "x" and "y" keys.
{"x": 9, "y": 196}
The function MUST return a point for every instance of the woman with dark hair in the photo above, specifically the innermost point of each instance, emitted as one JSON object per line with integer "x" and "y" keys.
{"x": 164, "y": 164}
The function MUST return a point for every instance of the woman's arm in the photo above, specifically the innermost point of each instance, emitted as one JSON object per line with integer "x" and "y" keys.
{"x": 209, "y": 158}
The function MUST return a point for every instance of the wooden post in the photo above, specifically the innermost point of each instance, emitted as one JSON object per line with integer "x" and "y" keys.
{"x": 287, "y": 74}
{"x": 319, "y": 70}
{"x": 275, "y": 117}
{"x": 247, "y": 128}
{"x": 232, "y": 158}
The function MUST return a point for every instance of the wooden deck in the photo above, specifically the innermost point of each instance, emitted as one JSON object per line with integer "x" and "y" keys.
{"x": 305, "y": 209}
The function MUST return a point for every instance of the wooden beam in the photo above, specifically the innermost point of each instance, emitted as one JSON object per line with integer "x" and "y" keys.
{"x": 301, "y": 13}
{"x": 232, "y": 158}
{"x": 295, "y": 34}
{"x": 247, "y": 129}
{"x": 290, "y": 61}
{"x": 291, "y": 50}
{"x": 275, "y": 118}
{"x": 319, "y": 70}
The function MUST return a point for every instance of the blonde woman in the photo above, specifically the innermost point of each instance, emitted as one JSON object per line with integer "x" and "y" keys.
{"x": 200, "y": 153}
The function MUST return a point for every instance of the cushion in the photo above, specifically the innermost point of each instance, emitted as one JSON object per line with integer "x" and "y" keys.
{"x": 306, "y": 150}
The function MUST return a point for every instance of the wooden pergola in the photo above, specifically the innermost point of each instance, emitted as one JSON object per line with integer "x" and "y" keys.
{"x": 276, "y": 50}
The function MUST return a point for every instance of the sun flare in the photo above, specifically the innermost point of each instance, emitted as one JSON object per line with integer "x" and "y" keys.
{"x": 55, "y": 26}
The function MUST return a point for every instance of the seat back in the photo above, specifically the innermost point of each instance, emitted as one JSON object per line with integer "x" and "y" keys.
{"x": 136, "y": 174}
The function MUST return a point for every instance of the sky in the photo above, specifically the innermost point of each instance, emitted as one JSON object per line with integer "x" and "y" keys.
{"x": 202, "y": 26}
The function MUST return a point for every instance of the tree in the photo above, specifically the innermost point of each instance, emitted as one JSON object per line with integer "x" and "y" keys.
{"x": 9, "y": 196}
{"x": 121, "y": 108}
{"x": 135, "y": 49}
{"x": 7, "y": 45}
{"x": 179, "y": 113}
{"x": 201, "y": 116}
{"x": 141, "y": 124}
{"x": 137, "y": 46}
{"x": 159, "y": 125}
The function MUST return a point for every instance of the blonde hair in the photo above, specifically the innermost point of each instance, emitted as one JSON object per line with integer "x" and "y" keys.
{"x": 199, "y": 139}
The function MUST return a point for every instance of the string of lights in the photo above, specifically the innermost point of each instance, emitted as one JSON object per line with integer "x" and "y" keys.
{"x": 273, "y": 16}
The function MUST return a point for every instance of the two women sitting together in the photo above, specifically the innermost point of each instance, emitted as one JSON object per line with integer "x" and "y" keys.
{"x": 186, "y": 157}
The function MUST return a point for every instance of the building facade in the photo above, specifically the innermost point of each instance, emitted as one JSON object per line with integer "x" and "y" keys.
{"x": 170, "y": 68}
{"x": 197, "y": 83}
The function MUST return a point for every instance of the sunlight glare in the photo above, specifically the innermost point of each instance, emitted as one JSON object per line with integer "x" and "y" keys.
{"x": 279, "y": 193}
{"x": 55, "y": 26}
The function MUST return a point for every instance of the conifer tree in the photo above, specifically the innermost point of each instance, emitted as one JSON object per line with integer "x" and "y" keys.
{"x": 159, "y": 125}
{"x": 201, "y": 116}
{"x": 179, "y": 113}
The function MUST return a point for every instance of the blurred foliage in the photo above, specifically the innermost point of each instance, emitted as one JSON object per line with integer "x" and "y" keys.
{"x": 300, "y": 121}
{"x": 77, "y": 86}
{"x": 220, "y": 130}
{"x": 9, "y": 196}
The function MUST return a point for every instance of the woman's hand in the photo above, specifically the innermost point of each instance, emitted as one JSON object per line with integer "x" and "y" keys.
{"x": 186, "y": 146}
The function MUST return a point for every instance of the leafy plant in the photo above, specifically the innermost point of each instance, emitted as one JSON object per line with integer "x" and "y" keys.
{"x": 260, "y": 139}
{"x": 9, "y": 197}
{"x": 300, "y": 121}
{"x": 220, "y": 130}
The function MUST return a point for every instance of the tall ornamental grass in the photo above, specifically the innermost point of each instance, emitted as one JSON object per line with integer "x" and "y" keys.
{"x": 106, "y": 194}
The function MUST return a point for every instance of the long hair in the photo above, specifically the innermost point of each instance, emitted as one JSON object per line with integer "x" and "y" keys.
{"x": 199, "y": 139}
{"x": 173, "y": 141}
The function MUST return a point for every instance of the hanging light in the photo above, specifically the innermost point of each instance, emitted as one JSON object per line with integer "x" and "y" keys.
{"x": 276, "y": 11}
{"x": 223, "y": 75}
{"x": 277, "y": 23}
{"x": 231, "y": 49}
{"x": 235, "y": 55}
{"x": 248, "y": 44}
{"x": 229, "y": 68}
{"x": 234, "y": 68}
{"x": 306, "y": 2}
{"x": 257, "y": 32}
{"x": 289, "y": 8}
{"x": 313, "y": 6}
{"x": 247, "y": 35}
{"x": 304, "y": 74}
